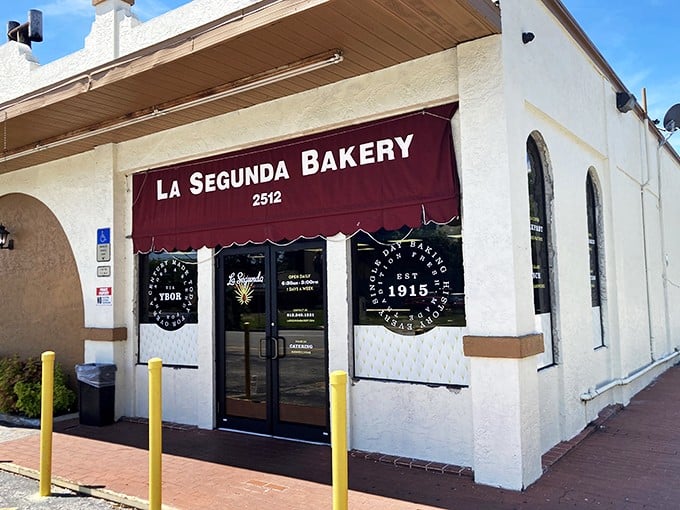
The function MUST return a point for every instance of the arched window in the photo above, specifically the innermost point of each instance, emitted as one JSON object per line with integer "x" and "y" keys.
{"x": 594, "y": 240}
{"x": 539, "y": 227}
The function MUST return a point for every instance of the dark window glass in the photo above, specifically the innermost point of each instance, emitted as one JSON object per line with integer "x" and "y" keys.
{"x": 409, "y": 280}
{"x": 300, "y": 289}
{"x": 167, "y": 286}
{"x": 538, "y": 225}
{"x": 591, "y": 205}
{"x": 244, "y": 300}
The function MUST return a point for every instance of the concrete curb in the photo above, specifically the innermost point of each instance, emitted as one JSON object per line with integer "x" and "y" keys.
{"x": 87, "y": 490}
{"x": 31, "y": 423}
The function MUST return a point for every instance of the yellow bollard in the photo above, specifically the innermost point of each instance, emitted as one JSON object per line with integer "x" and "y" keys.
{"x": 339, "y": 438}
{"x": 46, "y": 424}
{"x": 155, "y": 433}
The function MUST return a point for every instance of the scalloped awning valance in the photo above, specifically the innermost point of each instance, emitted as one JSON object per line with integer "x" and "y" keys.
{"x": 381, "y": 174}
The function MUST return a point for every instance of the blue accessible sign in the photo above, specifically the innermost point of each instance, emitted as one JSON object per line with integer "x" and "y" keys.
{"x": 103, "y": 235}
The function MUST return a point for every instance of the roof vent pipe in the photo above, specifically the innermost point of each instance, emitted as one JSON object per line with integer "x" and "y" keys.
{"x": 31, "y": 31}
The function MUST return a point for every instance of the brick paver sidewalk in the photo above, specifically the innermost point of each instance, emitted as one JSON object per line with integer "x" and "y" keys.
{"x": 632, "y": 462}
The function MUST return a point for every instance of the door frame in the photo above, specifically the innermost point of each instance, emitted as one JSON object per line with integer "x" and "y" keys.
{"x": 271, "y": 426}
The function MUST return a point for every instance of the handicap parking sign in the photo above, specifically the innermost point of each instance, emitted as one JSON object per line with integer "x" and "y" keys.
{"x": 103, "y": 235}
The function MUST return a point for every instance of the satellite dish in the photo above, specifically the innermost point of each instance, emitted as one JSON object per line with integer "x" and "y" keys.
{"x": 671, "y": 121}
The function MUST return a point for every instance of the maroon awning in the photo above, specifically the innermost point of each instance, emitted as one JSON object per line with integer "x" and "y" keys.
{"x": 382, "y": 174}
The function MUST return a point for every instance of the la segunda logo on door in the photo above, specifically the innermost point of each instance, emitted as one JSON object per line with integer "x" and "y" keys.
{"x": 244, "y": 286}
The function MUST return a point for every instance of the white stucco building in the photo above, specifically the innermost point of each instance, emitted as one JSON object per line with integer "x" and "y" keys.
{"x": 275, "y": 150}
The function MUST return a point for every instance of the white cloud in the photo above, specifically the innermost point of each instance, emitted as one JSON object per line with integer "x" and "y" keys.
{"x": 151, "y": 8}
{"x": 60, "y": 8}
{"x": 662, "y": 95}
{"x": 144, "y": 9}
{"x": 633, "y": 75}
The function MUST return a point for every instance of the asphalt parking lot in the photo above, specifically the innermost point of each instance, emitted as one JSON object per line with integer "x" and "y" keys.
{"x": 18, "y": 493}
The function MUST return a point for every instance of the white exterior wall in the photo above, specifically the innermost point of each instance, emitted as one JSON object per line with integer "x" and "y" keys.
{"x": 511, "y": 413}
{"x": 352, "y": 101}
{"x": 572, "y": 106}
{"x": 78, "y": 190}
{"x": 497, "y": 263}
{"x": 188, "y": 395}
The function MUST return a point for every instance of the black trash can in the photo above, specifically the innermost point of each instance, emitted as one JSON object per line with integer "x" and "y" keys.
{"x": 96, "y": 393}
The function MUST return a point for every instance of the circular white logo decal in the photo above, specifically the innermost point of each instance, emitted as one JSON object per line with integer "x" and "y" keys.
{"x": 171, "y": 294}
{"x": 409, "y": 287}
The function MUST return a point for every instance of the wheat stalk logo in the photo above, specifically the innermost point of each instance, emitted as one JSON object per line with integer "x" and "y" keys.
{"x": 244, "y": 292}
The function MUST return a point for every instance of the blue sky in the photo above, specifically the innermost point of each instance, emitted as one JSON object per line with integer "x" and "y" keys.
{"x": 66, "y": 23}
{"x": 637, "y": 37}
{"x": 639, "y": 40}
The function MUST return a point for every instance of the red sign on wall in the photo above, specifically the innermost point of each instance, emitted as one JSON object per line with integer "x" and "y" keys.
{"x": 383, "y": 174}
{"x": 104, "y": 296}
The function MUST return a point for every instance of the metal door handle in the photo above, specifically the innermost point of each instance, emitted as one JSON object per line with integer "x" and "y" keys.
{"x": 276, "y": 352}
{"x": 282, "y": 352}
{"x": 276, "y": 347}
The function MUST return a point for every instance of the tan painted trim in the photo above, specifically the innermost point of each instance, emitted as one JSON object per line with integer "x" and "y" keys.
{"x": 515, "y": 347}
{"x": 105, "y": 334}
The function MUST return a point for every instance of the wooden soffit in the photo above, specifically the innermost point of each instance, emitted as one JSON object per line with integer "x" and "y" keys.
{"x": 119, "y": 101}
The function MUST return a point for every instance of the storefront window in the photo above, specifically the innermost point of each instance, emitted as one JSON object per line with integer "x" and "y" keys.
{"x": 409, "y": 281}
{"x": 538, "y": 225}
{"x": 539, "y": 230}
{"x": 592, "y": 243}
{"x": 594, "y": 240}
{"x": 168, "y": 307}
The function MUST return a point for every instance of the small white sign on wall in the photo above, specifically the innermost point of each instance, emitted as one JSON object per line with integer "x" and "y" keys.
{"x": 103, "y": 271}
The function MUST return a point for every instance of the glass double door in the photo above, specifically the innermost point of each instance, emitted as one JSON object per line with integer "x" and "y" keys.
{"x": 272, "y": 346}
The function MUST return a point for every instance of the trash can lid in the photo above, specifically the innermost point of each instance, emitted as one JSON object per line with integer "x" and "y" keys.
{"x": 96, "y": 365}
{"x": 96, "y": 374}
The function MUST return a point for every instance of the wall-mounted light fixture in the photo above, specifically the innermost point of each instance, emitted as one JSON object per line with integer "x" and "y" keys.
{"x": 625, "y": 101}
{"x": 5, "y": 244}
{"x": 527, "y": 37}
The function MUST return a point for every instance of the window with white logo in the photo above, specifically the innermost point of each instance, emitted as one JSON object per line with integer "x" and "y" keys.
{"x": 168, "y": 308}
{"x": 409, "y": 305}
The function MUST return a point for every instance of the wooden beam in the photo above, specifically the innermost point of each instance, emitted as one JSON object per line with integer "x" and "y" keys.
{"x": 105, "y": 334}
{"x": 515, "y": 347}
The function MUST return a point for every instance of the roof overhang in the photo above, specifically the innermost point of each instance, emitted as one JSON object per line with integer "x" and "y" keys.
{"x": 271, "y": 50}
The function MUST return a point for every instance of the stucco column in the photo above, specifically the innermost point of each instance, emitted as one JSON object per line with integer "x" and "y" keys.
{"x": 205, "y": 378}
{"x": 338, "y": 310}
{"x": 105, "y": 287}
{"x": 501, "y": 342}
{"x": 112, "y": 29}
